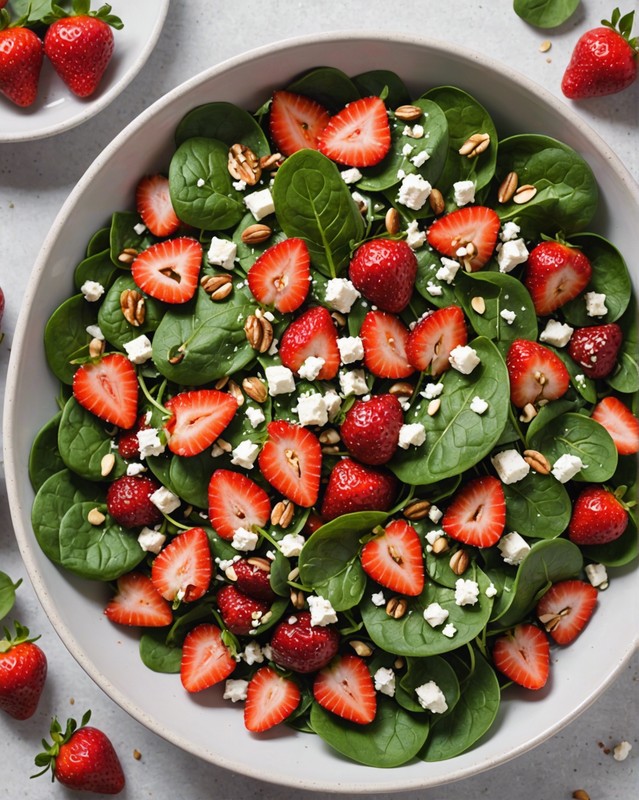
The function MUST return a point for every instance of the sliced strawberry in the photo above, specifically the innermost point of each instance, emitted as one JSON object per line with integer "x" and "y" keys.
{"x": 311, "y": 334}
{"x": 236, "y": 501}
{"x": 239, "y": 611}
{"x": 535, "y": 373}
{"x": 356, "y": 487}
{"x": 182, "y": 570}
{"x": 295, "y": 122}
{"x": 620, "y": 423}
{"x": 477, "y": 514}
{"x": 359, "y": 135}
{"x": 168, "y": 271}
{"x": 473, "y": 225}
{"x": 566, "y": 608}
{"x": 395, "y": 559}
{"x": 281, "y": 276}
{"x": 270, "y": 699}
{"x": 291, "y": 461}
{"x": 138, "y": 602}
{"x": 555, "y": 274}
{"x": 206, "y": 660}
{"x": 198, "y": 418}
{"x": 153, "y": 204}
{"x": 434, "y": 337}
{"x": 523, "y": 655}
{"x": 108, "y": 388}
{"x": 385, "y": 337}
{"x": 345, "y": 688}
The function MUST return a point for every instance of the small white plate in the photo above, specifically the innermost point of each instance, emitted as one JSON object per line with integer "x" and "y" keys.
{"x": 57, "y": 109}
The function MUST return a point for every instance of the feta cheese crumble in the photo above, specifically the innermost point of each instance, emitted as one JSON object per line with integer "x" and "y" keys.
{"x": 448, "y": 270}
{"x": 291, "y": 544}
{"x": 92, "y": 291}
{"x": 280, "y": 380}
{"x": 464, "y": 359}
{"x": 414, "y": 191}
{"x": 510, "y": 466}
{"x": 431, "y": 697}
{"x": 620, "y": 751}
{"x": 255, "y": 416}
{"x": 556, "y": 333}
{"x": 311, "y": 368}
{"x": 434, "y": 290}
{"x": 432, "y": 390}
{"x": 595, "y": 304}
{"x": 566, "y": 467}
{"x": 420, "y": 158}
{"x": 435, "y": 615}
{"x": 449, "y": 630}
{"x": 150, "y": 540}
{"x": 351, "y": 175}
{"x": 353, "y": 382}
{"x": 149, "y": 442}
{"x": 378, "y": 599}
{"x": 222, "y": 253}
{"x": 245, "y": 453}
{"x": 512, "y": 253}
{"x": 384, "y": 680}
{"x": 464, "y": 192}
{"x": 478, "y": 405}
{"x": 139, "y": 350}
{"x": 333, "y": 403}
{"x": 311, "y": 410}
{"x": 260, "y": 203}
{"x": 415, "y": 238}
{"x": 351, "y": 348}
{"x": 244, "y": 540}
{"x": 341, "y": 294}
{"x": 322, "y": 612}
{"x": 509, "y": 232}
{"x": 513, "y": 548}
{"x": 165, "y": 500}
{"x": 435, "y": 514}
{"x": 235, "y": 689}
{"x": 412, "y": 434}
{"x": 508, "y": 315}
{"x": 466, "y": 592}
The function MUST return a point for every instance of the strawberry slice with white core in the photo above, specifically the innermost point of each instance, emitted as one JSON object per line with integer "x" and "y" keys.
{"x": 153, "y": 204}
{"x": 206, "y": 660}
{"x": 555, "y": 274}
{"x": 295, "y": 122}
{"x": 620, "y": 423}
{"x": 385, "y": 338}
{"x": 108, "y": 388}
{"x": 182, "y": 570}
{"x": 311, "y": 334}
{"x": 566, "y": 608}
{"x": 359, "y": 135}
{"x": 535, "y": 372}
{"x": 291, "y": 461}
{"x": 523, "y": 656}
{"x": 169, "y": 271}
{"x": 198, "y": 418}
{"x": 137, "y": 602}
{"x": 473, "y": 230}
{"x": 270, "y": 699}
{"x": 477, "y": 514}
{"x": 281, "y": 276}
{"x": 395, "y": 559}
{"x": 345, "y": 688}
{"x": 236, "y": 501}
{"x": 435, "y": 336}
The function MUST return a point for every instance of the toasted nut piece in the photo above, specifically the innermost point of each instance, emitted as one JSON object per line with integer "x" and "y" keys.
{"x": 133, "y": 307}
{"x": 545, "y": 46}
{"x": 436, "y": 202}
{"x": 137, "y": 755}
{"x": 217, "y": 286}
{"x": 96, "y": 347}
{"x": 259, "y": 332}
{"x": 230, "y": 573}
{"x": 392, "y": 221}
{"x": 402, "y": 389}
{"x": 256, "y": 234}
{"x": 330, "y": 449}
{"x": 220, "y": 383}
{"x": 261, "y": 563}
{"x": 433, "y": 406}
{"x": 478, "y": 304}
{"x": 475, "y": 145}
{"x": 255, "y": 389}
{"x": 408, "y": 113}
{"x": 416, "y": 509}
{"x": 265, "y": 617}
{"x": 338, "y": 318}
{"x": 580, "y": 794}
{"x": 243, "y": 164}
{"x": 106, "y": 464}
{"x": 223, "y": 444}
{"x": 537, "y": 461}
{"x": 361, "y": 648}
{"x": 524, "y": 194}
{"x": 508, "y": 187}
{"x": 128, "y": 255}
{"x": 459, "y": 561}
{"x": 441, "y": 545}
{"x": 293, "y": 575}
{"x": 297, "y": 598}
{"x": 175, "y": 359}
{"x": 282, "y": 513}
{"x": 95, "y": 517}
{"x": 396, "y": 607}
{"x": 271, "y": 162}
{"x": 399, "y": 663}
{"x": 329, "y": 436}
{"x": 550, "y": 621}
{"x": 528, "y": 413}
{"x": 234, "y": 390}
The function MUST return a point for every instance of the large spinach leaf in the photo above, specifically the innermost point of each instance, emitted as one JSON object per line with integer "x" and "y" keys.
{"x": 66, "y": 337}
{"x": 112, "y": 321}
{"x": 225, "y": 122}
{"x": 625, "y": 377}
{"x": 44, "y": 458}
{"x": 537, "y": 506}
{"x": 83, "y": 442}
{"x": 328, "y": 86}
{"x": 545, "y": 13}
{"x": 383, "y": 83}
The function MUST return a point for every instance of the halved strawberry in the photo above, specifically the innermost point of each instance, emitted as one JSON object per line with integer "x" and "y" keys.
{"x": 108, "y": 388}
{"x": 153, "y": 204}
{"x": 168, "y": 271}
{"x": 295, "y": 122}
{"x": 434, "y": 337}
{"x": 291, "y": 461}
{"x": 477, "y": 514}
{"x": 384, "y": 338}
{"x": 620, "y": 423}
{"x": 566, "y": 608}
{"x": 236, "y": 501}
{"x": 182, "y": 570}
{"x": 198, "y": 418}
{"x": 523, "y": 655}
{"x": 270, "y": 699}
{"x": 555, "y": 274}
{"x": 311, "y": 334}
{"x": 206, "y": 660}
{"x": 345, "y": 688}
{"x": 359, "y": 135}
{"x": 138, "y": 602}
{"x": 472, "y": 225}
{"x": 395, "y": 559}
{"x": 281, "y": 276}
{"x": 535, "y": 373}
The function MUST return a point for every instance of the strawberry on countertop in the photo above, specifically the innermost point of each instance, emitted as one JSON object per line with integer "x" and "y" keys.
{"x": 299, "y": 646}
{"x": 565, "y": 609}
{"x": 359, "y": 135}
{"x": 384, "y": 271}
{"x": 23, "y": 671}
{"x": 598, "y": 517}
{"x": 21, "y": 54}
{"x": 555, "y": 274}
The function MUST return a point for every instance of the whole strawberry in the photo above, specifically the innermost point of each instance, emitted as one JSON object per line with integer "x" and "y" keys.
{"x": 239, "y": 611}
{"x": 302, "y": 647}
{"x": 21, "y": 55}
{"x": 598, "y": 517}
{"x": 595, "y": 349}
{"x": 23, "y": 670}
{"x": 252, "y": 577}
{"x": 80, "y": 45}
{"x": 128, "y": 501}
{"x": 370, "y": 429}
{"x": 555, "y": 274}
{"x": 82, "y": 758}
{"x": 384, "y": 271}
{"x": 604, "y": 60}
{"x": 356, "y": 487}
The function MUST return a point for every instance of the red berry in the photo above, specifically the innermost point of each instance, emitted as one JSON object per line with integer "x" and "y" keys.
{"x": 206, "y": 660}
{"x": 565, "y": 609}
{"x": 129, "y": 503}
{"x": 21, "y": 55}
{"x": 127, "y": 440}
{"x": 236, "y": 501}
{"x": 197, "y": 418}
{"x": 370, "y": 429}
{"x": 555, "y": 274}
{"x": 252, "y": 577}
{"x": 384, "y": 271}
{"x": 535, "y": 373}
{"x": 473, "y": 225}
{"x": 523, "y": 655}
{"x": 182, "y": 570}
{"x": 270, "y": 699}
{"x": 435, "y": 336}
{"x": 620, "y": 423}
{"x": 239, "y": 611}
{"x": 23, "y": 671}
{"x": 595, "y": 349}
{"x": 597, "y": 517}
{"x": 385, "y": 338}
{"x": 108, "y": 388}
{"x": 477, "y": 513}
{"x": 302, "y": 647}
{"x": 295, "y": 122}
{"x": 137, "y": 602}
{"x": 281, "y": 276}
{"x": 169, "y": 270}
{"x": 311, "y": 334}
{"x": 153, "y": 204}
{"x": 356, "y": 487}
{"x": 345, "y": 688}
{"x": 291, "y": 461}
{"x": 359, "y": 135}
{"x": 395, "y": 559}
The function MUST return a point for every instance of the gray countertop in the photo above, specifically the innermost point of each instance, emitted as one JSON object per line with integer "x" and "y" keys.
{"x": 35, "y": 179}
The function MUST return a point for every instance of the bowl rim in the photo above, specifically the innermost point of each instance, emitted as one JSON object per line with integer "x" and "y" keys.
{"x": 12, "y": 478}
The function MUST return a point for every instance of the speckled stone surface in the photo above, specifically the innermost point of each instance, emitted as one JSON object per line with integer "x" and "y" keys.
{"x": 36, "y": 177}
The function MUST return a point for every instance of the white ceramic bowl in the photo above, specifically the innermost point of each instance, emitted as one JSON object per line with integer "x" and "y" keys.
{"x": 204, "y": 724}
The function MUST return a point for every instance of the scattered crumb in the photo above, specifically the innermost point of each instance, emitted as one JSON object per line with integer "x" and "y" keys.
{"x": 545, "y": 46}
{"x": 620, "y": 751}
{"x": 549, "y": 61}
{"x": 580, "y": 794}
{"x": 137, "y": 755}
{"x": 72, "y": 701}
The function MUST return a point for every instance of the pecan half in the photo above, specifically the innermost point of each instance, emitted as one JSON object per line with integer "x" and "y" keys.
{"x": 243, "y": 164}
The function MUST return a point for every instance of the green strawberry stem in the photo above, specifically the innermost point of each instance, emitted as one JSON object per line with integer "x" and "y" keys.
{"x": 623, "y": 26}
{"x": 47, "y": 758}
{"x": 21, "y": 637}
{"x": 82, "y": 8}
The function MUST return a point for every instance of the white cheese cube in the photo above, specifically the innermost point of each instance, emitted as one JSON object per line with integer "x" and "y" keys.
{"x": 384, "y": 680}
{"x": 92, "y": 291}
{"x": 341, "y": 294}
{"x": 513, "y": 548}
{"x": 509, "y": 232}
{"x": 435, "y": 514}
{"x": 222, "y": 253}
{"x": 260, "y": 203}
{"x": 448, "y": 270}
{"x": 466, "y": 592}
{"x": 510, "y": 466}
{"x": 512, "y": 253}
{"x": 165, "y": 500}
{"x": 245, "y": 453}
{"x": 235, "y": 690}
{"x": 311, "y": 409}
{"x": 333, "y": 403}
{"x": 244, "y": 540}
{"x": 432, "y": 390}
{"x": 595, "y": 304}
{"x": 291, "y": 544}
{"x": 508, "y": 315}
{"x": 311, "y": 368}
{"x": 378, "y": 599}
{"x": 434, "y": 290}
{"x": 431, "y": 697}
{"x": 255, "y": 416}
{"x": 478, "y": 405}
{"x": 435, "y": 615}
{"x": 449, "y": 630}
{"x": 464, "y": 359}
{"x": 420, "y": 159}
{"x": 566, "y": 467}
{"x": 413, "y": 191}
{"x": 280, "y": 380}
{"x": 556, "y": 333}
{"x": 139, "y": 350}
{"x": 351, "y": 175}
{"x": 415, "y": 238}
{"x": 149, "y": 442}
{"x": 322, "y": 612}
{"x": 412, "y": 434}
{"x": 464, "y": 192}
{"x": 151, "y": 541}
{"x": 351, "y": 348}
{"x": 353, "y": 382}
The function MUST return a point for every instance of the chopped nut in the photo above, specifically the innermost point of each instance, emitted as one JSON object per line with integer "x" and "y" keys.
{"x": 230, "y": 573}
{"x": 282, "y": 513}
{"x": 255, "y": 389}
{"x": 361, "y": 648}
{"x": 243, "y": 164}
{"x": 271, "y": 162}
{"x": 329, "y": 436}
{"x": 524, "y": 194}
{"x": 396, "y": 607}
{"x": 261, "y": 563}
{"x": 95, "y": 517}
{"x": 416, "y": 509}
{"x": 137, "y": 755}
{"x": 399, "y": 663}
{"x": 507, "y": 187}
{"x": 392, "y": 221}
{"x": 436, "y": 202}
{"x": 537, "y": 461}
{"x": 225, "y": 446}
{"x": 106, "y": 464}
{"x": 441, "y": 545}
{"x": 402, "y": 389}
{"x": 220, "y": 383}
{"x": 217, "y": 286}
{"x": 330, "y": 449}
{"x": 259, "y": 332}
{"x": 433, "y": 406}
{"x": 528, "y": 413}
{"x": 297, "y": 598}
{"x": 256, "y": 234}
{"x": 545, "y": 46}
{"x": 133, "y": 307}
{"x": 338, "y": 319}
{"x": 128, "y": 255}
{"x": 408, "y": 113}
{"x": 234, "y": 390}
{"x": 478, "y": 304}
{"x": 459, "y": 561}
{"x": 293, "y": 575}
{"x": 475, "y": 145}
{"x": 96, "y": 348}
{"x": 580, "y": 794}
